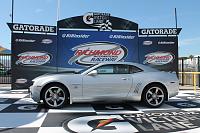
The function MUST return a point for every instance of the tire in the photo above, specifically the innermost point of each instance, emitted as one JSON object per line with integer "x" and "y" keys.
{"x": 55, "y": 96}
{"x": 154, "y": 96}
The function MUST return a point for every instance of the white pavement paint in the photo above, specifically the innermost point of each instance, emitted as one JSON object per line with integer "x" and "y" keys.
{"x": 2, "y": 92}
{"x": 25, "y": 101}
{"x": 73, "y": 109}
{"x": 196, "y": 130}
{"x": 3, "y": 106}
{"x": 52, "y": 130}
{"x": 118, "y": 112}
{"x": 173, "y": 99}
{"x": 183, "y": 95}
{"x": 191, "y": 109}
{"x": 13, "y": 95}
{"x": 163, "y": 107}
{"x": 17, "y": 120}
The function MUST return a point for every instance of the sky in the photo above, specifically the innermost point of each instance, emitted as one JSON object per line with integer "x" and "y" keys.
{"x": 147, "y": 13}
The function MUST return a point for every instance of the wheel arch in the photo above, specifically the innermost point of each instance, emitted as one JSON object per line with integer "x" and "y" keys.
{"x": 54, "y": 83}
{"x": 156, "y": 83}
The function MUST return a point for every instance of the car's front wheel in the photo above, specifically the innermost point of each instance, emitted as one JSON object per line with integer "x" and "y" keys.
{"x": 55, "y": 96}
{"x": 154, "y": 96}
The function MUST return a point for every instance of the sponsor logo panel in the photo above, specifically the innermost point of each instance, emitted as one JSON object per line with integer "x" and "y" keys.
{"x": 25, "y": 40}
{"x": 92, "y": 53}
{"x": 166, "y": 42}
{"x": 158, "y": 58}
{"x": 47, "y": 41}
{"x": 147, "y": 43}
{"x": 75, "y": 36}
{"x": 98, "y": 20}
{"x": 33, "y": 58}
{"x": 159, "y": 43}
{"x": 118, "y": 36}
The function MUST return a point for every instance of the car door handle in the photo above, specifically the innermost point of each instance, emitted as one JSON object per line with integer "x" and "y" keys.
{"x": 124, "y": 78}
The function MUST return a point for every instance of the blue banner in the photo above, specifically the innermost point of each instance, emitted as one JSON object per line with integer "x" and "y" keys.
{"x": 77, "y": 48}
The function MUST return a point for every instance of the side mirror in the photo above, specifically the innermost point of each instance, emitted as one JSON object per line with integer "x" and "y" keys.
{"x": 92, "y": 73}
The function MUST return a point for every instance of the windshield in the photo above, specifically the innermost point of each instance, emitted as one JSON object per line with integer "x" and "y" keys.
{"x": 85, "y": 69}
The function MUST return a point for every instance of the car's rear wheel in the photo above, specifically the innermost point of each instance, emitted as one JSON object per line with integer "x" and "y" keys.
{"x": 55, "y": 96}
{"x": 154, "y": 96}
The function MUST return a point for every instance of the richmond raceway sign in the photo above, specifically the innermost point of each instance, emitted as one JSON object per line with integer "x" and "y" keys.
{"x": 96, "y": 52}
{"x": 131, "y": 123}
{"x": 158, "y": 58}
{"x": 33, "y": 58}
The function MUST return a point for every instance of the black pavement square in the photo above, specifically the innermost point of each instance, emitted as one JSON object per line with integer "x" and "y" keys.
{"x": 21, "y": 108}
{"x": 113, "y": 107}
{"x": 184, "y": 104}
{"x": 57, "y": 119}
{"x": 19, "y": 130}
{"x": 8, "y": 100}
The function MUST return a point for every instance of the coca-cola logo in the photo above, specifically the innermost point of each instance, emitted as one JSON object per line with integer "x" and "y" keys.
{"x": 158, "y": 58}
{"x": 33, "y": 58}
{"x": 96, "y": 52}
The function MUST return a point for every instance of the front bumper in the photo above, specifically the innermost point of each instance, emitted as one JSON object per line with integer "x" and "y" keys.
{"x": 24, "y": 85}
{"x": 35, "y": 93}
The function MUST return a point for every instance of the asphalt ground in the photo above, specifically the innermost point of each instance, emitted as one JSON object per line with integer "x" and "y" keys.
{"x": 20, "y": 114}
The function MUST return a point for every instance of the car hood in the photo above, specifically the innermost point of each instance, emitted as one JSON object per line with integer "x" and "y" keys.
{"x": 54, "y": 74}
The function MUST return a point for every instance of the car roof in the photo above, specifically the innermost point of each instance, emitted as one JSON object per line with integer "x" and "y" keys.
{"x": 141, "y": 66}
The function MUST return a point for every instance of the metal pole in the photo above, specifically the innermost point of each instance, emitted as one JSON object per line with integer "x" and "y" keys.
{"x": 12, "y": 20}
{"x": 58, "y": 15}
{"x": 12, "y": 11}
{"x": 182, "y": 69}
{"x": 176, "y": 19}
{"x": 198, "y": 62}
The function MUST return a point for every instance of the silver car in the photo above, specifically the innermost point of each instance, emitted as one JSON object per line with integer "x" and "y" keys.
{"x": 119, "y": 81}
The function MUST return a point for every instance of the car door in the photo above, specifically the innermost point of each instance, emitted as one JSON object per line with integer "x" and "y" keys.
{"x": 111, "y": 81}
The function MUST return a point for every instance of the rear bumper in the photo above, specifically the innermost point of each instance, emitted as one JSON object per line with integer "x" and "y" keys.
{"x": 173, "y": 89}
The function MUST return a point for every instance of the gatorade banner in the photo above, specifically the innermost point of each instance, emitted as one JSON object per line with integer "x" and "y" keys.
{"x": 159, "y": 52}
{"x": 33, "y": 55}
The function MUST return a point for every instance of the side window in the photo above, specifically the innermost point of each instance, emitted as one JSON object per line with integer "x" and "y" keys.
{"x": 134, "y": 69}
{"x": 121, "y": 69}
{"x": 106, "y": 69}
{"x": 126, "y": 69}
{"x": 118, "y": 69}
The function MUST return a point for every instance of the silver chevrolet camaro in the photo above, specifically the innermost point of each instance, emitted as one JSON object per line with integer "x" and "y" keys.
{"x": 118, "y": 81}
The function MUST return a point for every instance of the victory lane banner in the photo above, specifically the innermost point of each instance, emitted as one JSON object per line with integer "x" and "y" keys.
{"x": 153, "y": 122}
{"x": 78, "y": 49}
